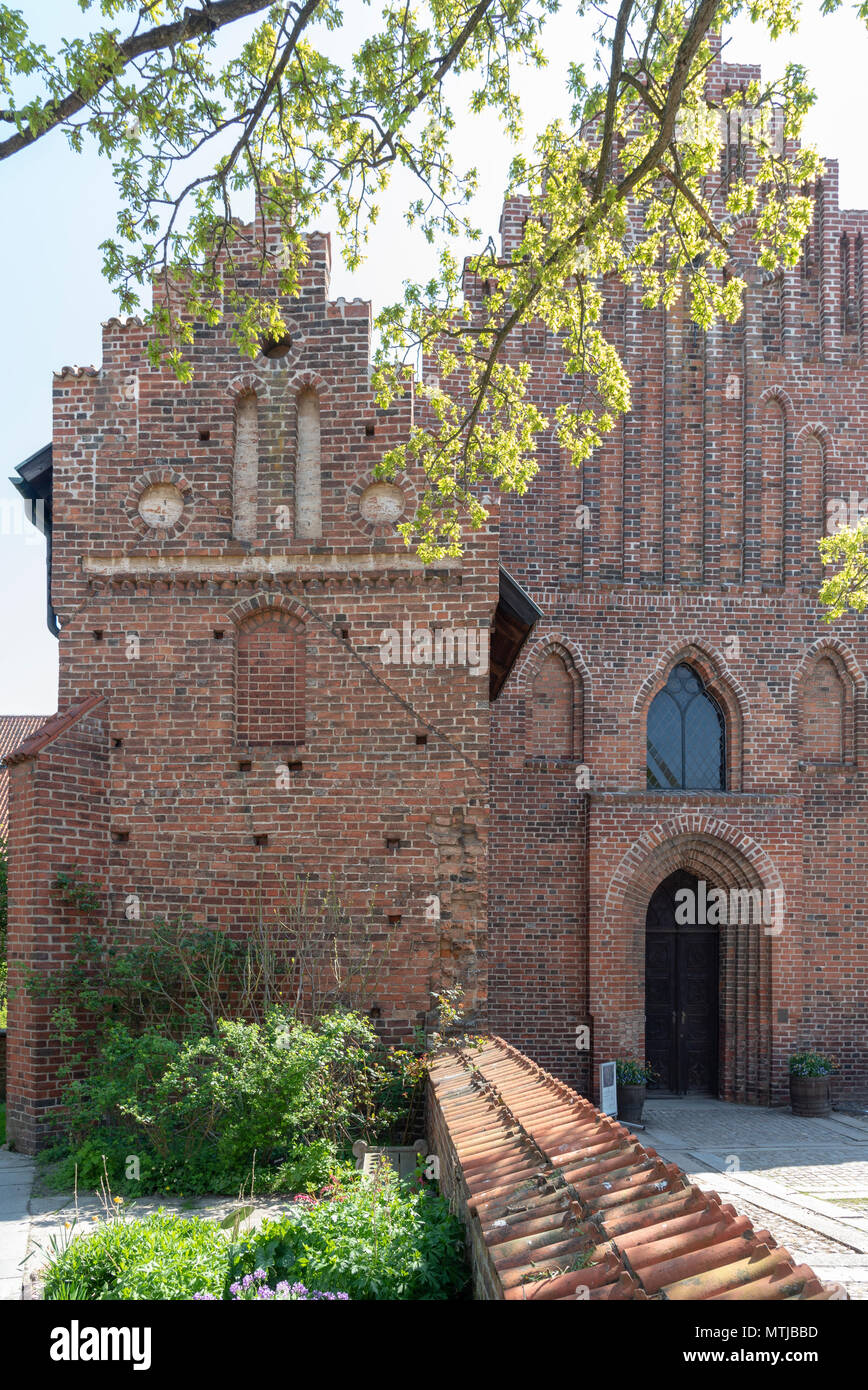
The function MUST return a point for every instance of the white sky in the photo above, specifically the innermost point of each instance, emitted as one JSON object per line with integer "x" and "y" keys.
{"x": 58, "y": 207}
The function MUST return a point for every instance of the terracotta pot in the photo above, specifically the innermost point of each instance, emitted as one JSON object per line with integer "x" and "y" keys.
{"x": 631, "y": 1100}
{"x": 811, "y": 1095}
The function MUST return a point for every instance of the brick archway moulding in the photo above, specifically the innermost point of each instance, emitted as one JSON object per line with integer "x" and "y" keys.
{"x": 725, "y": 856}
{"x": 555, "y": 643}
{"x": 853, "y": 681}
{"x": 262, "y": 602}
{"x": 522, "y": 679}
{"x": 828, "y": 646}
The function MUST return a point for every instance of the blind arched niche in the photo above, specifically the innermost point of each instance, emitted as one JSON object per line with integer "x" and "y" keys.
{"x": 308, "y": 476}
{"x": 245, "y": 471}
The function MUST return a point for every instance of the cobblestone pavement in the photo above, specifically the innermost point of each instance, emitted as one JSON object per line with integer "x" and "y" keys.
{"x": 804, "y": 1181}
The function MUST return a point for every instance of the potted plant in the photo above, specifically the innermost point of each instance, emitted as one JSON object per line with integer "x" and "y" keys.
{"x": 633, "y": 1078}
{"x": 810, "y": 1087}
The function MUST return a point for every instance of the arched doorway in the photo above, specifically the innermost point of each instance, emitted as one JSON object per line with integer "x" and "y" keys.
{"x": 682, "y": 956}
{"x": 713, "y": 850}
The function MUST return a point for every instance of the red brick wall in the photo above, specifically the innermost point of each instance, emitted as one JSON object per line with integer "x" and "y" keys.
{"x": 705, "y": 507}
{"x": 256, "y": 735}
{"x": 704, "y": 510}
{"x": 269, "y": 680}
{"x": 59, "y": 822}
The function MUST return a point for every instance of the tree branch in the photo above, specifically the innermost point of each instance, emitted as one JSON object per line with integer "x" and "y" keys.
{"x": 194, "y": 24}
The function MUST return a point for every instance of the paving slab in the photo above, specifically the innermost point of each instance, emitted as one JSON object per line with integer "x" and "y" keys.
{"x": 780, "y": 1170}
{"x": 16, "y": 1182}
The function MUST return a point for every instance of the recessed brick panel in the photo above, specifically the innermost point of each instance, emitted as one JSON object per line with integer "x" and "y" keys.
{"x": 270, "y": 681}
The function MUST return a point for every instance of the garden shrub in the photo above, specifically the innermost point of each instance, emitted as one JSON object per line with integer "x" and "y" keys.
{"x": 373, "y": 1238}
{"x": 162, "y": 1256}
{"x": 199, "y": 1113}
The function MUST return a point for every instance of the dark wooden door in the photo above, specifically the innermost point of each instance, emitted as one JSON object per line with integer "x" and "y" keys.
{"x": 681, "y": 994}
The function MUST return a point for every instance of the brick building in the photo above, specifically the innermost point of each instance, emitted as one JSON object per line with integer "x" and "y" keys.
{"x": 679, "y": 720}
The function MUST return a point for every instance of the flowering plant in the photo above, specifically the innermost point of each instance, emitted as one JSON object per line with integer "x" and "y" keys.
{"x": 630, "y": 1072}
{"x": 255, "y": 1287}
{"x": 811, "y": 1064}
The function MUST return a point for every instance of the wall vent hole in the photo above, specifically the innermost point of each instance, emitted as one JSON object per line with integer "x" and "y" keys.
{"x": 260, "y": 839}
{"x": 204, "y": 436}
{"x": 121, "y": 837}
{"x": 421, "y": 740}
{"x": 245, "y": 765}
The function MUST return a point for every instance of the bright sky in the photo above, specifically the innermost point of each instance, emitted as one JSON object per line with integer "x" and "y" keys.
{"x": 60, "y": 206}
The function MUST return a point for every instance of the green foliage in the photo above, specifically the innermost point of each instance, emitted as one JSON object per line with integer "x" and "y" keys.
{"x": 175, "y": 977}
{"x": 847, "y": 588}
{"x": 301, "y": 950}
{"x": 812, "y": 1064}
{"x": 382, "y": 1238}
{"x": 376, "y": 1238}
{"x": 277, "y": 1102}
{"x": 160, "y": 1257}
{"x": 74, "y": 890}
{"x": 627, "y": 188}
{"x": 197, "y": 106}
{"x": 631, "y": 1072}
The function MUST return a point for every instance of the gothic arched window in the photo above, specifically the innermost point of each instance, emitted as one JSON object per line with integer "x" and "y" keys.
{"x": 686, "y": 735}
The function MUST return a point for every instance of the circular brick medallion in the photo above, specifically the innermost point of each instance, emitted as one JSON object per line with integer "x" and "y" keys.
{"x": 382, "y": 504}
{"x": 161, "y": 505}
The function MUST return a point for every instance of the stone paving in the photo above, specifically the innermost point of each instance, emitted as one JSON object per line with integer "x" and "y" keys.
{"x": 804, "y": 1181}
{"x": 16, "y": 1180}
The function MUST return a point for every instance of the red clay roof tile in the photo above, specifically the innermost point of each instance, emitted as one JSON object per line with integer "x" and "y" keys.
{"x": 569, "y": 1204}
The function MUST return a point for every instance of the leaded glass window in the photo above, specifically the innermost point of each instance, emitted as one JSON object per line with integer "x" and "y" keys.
{"x": 686, "y": 735}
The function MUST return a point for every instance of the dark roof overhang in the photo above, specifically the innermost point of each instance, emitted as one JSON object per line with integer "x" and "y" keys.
{"x": 515, "y": 616}
{"x": 34, "y": 484}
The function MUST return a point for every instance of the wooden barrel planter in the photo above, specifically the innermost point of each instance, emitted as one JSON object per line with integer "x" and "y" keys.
{"x": 631, "y": 1100}
{"x": 811, "y": 1096}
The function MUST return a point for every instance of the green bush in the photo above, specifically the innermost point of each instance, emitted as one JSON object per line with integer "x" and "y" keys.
{"x": 375, "y": 1238}
{"x": 162, "y": 1257}
{"x": 198, "y": 1113}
